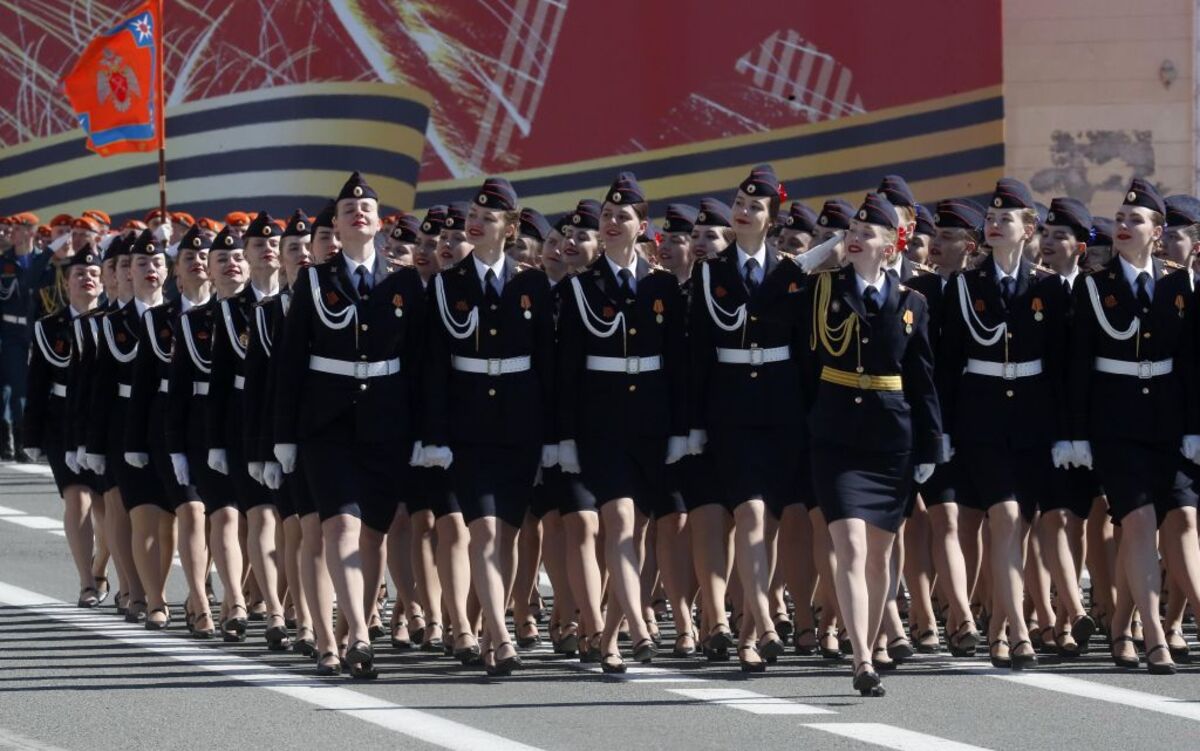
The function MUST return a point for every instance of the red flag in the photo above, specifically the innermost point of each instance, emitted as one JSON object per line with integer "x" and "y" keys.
{"x": 116, "y": 87}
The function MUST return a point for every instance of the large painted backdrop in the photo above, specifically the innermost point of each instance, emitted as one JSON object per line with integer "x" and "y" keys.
{"x": 271, "y": 102}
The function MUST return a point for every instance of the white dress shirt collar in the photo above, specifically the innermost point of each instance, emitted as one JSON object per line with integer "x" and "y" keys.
{"x": 352, "y": 266}
{"x": 481, "y": 268}
{"x": 1131, "y": 272}
{"x": 616, "y": 268}
{"x": 759, "y": 255}
{"x": 879, "y": 284}
{"x": 1071, "y": 277}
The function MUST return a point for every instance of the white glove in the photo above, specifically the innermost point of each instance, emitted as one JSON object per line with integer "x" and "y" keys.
{"x": 677, "y": 448}
{"x": 72, "y": 462}
{"x": 947, "y": 447}
{"x": 255, "y": 470}
{"x": 1061, "y": 453}
{"x": 418, "y": 455}
{"x": 1081, "y": 454}
{"x": 696, "y": 440}
{"x": 549, "y": 455}
{"x": 179, "y": 463}
{"x": 568, "y": 456}
{"x": 286, "y": 454}
{"x": 437, "y": 456}
{"x": 105, "y": 241}
{"x": 57, "y": 244}
{"x": 218, "y": 461}
{"x": 137, "y": 459}
{"x": 812, "y": 258}
{"x": 32, "y": 453}
{"x": 1191, "y": 448}
{"x": 162, "y": 232}
{"x": 94, "y": 462}
{"x": 922, "y": 472}
{"x": 272, "y": 475}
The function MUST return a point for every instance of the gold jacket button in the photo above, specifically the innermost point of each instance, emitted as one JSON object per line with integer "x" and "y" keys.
{"x": 491, "y": 392}
{"x": 492, "y": 332}
{"x": 362, "y": 387}
{"x": 1145, "y": 389}
{"x": 1008, "y": 393}
{"x": 363, "y": 327}
{"x": 633, "y": 332}
{"x": 754, "y": 374}
{"x": 858, "y": 400}
{"x": 865, "y": 340}
{"x": 632, "y": 387}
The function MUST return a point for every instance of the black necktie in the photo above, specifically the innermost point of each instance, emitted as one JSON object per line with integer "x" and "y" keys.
{"x": 1007, "y": 286}
{"x": 626, "y": 283}
{"x": 364, "y": 286}
{"x": 750, "y": 273}
{"x": 871, "y": 300}
{"x": 491, "y": 287}
{"x": 1143, "y": 292}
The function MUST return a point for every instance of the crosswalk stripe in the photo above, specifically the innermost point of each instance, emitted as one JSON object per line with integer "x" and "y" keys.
{"x": 890, "y": 736}
{"x": 640, "y": 674}
{"x": 1184, "y": 708}
{"x": 748, "y": 701}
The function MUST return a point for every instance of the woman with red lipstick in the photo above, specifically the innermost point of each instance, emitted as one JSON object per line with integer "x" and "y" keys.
{"x": 874, "y": 421}
{"x": 745, "y": 338}
{"x": 141, "y": 491}
{"x": 622, "y": 349}
{"x": 1001, "y": 365}
{"x": 1133, "y": 408}
{"x": 582, "y": 242}
{"x": 488, "y": 378}
{"x": 46, "y": 417}
{"x": 350, "y": 350}
{"x": 229, "y": 453}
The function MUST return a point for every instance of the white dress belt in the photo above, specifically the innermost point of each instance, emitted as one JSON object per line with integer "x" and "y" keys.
{"x": 19, "y": 320}
{"x": 351, "y": 369}
{"x": 239, "y": 382}
{"x": 1007, "y": 370}
{"x": 58, "y": 389}
{"x": 753, "y": 356}
{"x": 1144, "y": 369}
{"x": 124, "y": 390}
{"x": 495, "y": 366}
{"x": 627, "y": 365}
{"x": 162, "y": 386}
{"x": 199, "y": 388}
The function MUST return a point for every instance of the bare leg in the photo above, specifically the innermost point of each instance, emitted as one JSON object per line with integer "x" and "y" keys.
{"x": 621, "y": 553}
{"x": 1138, "y": 560}
{"x": 193, "y": 555}
{"x": 679, "y": 578}
{"x": 754, "y": 536}
{"x": 121, "y": 546}
{"x": 77, "y": 523}
{"x": 146, "y": 557}
{"x": 489, "y": 535}
{"x": 261, "y": 522}
{"x": 1008, "y": 532}
{"x": 529, "y": 562}
{"x": 342, "y": 535}
{"x": 454, "y": 572}
{"x": 428, "y": 586}
{"x": 582, "y": 568}
{"x": 918, "y": 571}
{"x": 317, "y": 585}
{"x": 951, "y": 566}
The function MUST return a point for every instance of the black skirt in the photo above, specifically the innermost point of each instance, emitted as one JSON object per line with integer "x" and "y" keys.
{"x": 494, "y": 480}
{"x": 1074, "y": 490}
{"x": 56, "y": 457}
{"x": 139, "y": 487}
{"x": 214, "y": 488}
{"x": 768, "y": 464}
{"x": 869, "y": 485}
{"x": 625, "y": 468}
{"x": 691, "y": 482}
{"x": 303, "y": 502}
{"x": 1136, "y": 474}
{"x": 995, "y": 474}
{"x": 942, "y": 485}
{"x": 352, "y": 478}
{"x": 548, "y": 491}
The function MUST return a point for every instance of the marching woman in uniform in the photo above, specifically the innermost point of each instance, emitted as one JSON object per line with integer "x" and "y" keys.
{"x": 874, "y": 421}
{"x": 186, "y": 436}
{"x": 621, "y": 347}
{"x": 228, "y": 453}
{"x": 142, "y": 493}
{"x": 350, "y": 350}
{"x": 46, "y": 414}
{"x": 265, "y": 329}
{"x": 1000, "y": 365}
{"x": 1133, "y": 408}
{"x": 744, "y": 335}
{"x": 488, "y": 378}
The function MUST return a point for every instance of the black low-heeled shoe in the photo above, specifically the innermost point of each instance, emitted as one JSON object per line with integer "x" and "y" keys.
{"x": 155, "y": 625}
{"x": 526, "y": 642}
{"x": 868, "y": 683}
{"x": 885, "y": 665}
{"x": 997, "y": 660}
{"x": 1082, "y": 630}
{"x": 751, "y": 666}
{"x": 400, "y": 644}
{"x": 925, "y": 647}
{"x": 433, "y": 643}
{"x": 1179, "y": 654}
{"x": 784, "y": 627}
{"x": 234, "y": 627}
{"x": 135, "y": 611}
{"x": 830, "y": 654}
{"x": 305, "y": 647}
{"x": 325, "y": 670}
{"x": 417, "y": 634}
{"x": 645, "y": 651}
{"x": 503, "y": 668}
{"x": 101, "y": 591}
{"x": 361, "y": 659}
{"x": 467, "y": 655}
{"x": 1159, "y": 668}
{"x": 900, "y": 649}
{"x": 1021, "y": 662}
{"x": 804, "y": 650}
{"x": 568, "y": 645}
{"x": 1124, "y": 662}
{"x": 277, "y": 637}
{"x": 613, "y": 668}
{"x": 771, "y": 649}
{"x": 963, "y": 643}
{"x": 677, "y": 651}
{"x": 203, "y": 633}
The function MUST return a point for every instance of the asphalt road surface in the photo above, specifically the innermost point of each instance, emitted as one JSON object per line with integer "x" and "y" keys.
{"x": 75, "y": 679}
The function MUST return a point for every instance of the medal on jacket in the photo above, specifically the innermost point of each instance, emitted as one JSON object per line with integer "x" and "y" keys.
{"x": 658, "y": 311}
{"x": 1179, "y": 304}
{"x": 1037, "y": 309}
{"x": 526, "y": 304}
{"x": 908, "y": 321}
{"x": 398, "y": 302}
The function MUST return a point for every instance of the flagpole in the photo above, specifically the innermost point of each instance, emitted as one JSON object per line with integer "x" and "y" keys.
{"x": 159, "y": 106}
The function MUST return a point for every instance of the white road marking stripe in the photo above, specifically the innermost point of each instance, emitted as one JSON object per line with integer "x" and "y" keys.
{"x": 422, "y": 726}
{"x": 32, "y": 469}
{"x": 748, "y": 701}
{"x": 890, "y": 736}
{"x": 638, "y": 674}
{"x": 1187, "y": 709}
{"x": 34, "y": 522}
{"x": 12, "y": 741}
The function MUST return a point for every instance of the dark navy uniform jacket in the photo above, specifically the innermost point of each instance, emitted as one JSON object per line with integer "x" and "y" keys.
{"x": 611, "y": 405}
{"x": 49, "y": 367}
{"x": 118, "y": 347}
{"x": 328, "y": 318}
{"x": 740, "y": 396}
{"x": 151, "y": 368}
{"x": 188, "y": 375}
{"x": 1152, "y": 410}
{"x": 17, "y": 274}
{"x": 87, "y": 339}
{"x": 265, "y": 329}
{"x": 230, "y": 340}
{"x": 1027, "y": 412}
{"x": 513, "y": 409}
{"x": 893, "y": 342}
